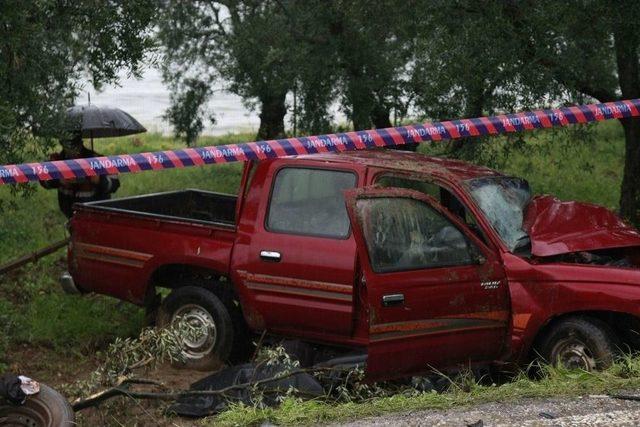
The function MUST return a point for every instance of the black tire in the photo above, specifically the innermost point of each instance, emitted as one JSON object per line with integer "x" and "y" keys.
{"x": 579, "y": 342}
{"x": 47, "y": 408}
{"x": 201, "y": 308}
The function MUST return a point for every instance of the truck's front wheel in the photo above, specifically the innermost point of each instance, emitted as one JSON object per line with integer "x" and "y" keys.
{"x": 579, "y": 343}
{"x": 210, "y": 337}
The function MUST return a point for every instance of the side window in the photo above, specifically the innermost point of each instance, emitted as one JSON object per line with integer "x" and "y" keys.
{"x": 310, "y": 202}
{"x": 441, "y": 194}
{"x": 407, "y": 234}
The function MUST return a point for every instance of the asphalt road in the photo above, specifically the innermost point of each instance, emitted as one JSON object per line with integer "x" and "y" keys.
{"x": 563, "y": 412}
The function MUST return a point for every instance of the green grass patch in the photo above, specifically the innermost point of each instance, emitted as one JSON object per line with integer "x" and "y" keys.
{"x": 76, "y": 322}
{"x": 623, "y": 375}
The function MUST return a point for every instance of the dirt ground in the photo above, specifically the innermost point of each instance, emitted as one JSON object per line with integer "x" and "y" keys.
{"x": 561, "y": 412}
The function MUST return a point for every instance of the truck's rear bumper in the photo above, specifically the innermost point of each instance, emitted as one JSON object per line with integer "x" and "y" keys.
{"x": 68, "y": 284}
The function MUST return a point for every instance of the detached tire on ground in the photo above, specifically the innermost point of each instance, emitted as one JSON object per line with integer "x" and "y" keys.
{"x": 47, "y": 408}
{"x": 203, "y": 310}
{"x": 579, "y": 343}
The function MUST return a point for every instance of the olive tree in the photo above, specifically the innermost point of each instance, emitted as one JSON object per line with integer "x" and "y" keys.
{"x": 243, "y": 43}
{"x": 46, "y": 47}
{"x": 591, "y": 48}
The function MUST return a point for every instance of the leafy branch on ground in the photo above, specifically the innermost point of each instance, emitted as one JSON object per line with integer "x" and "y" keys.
{"x": 125, "y": 355}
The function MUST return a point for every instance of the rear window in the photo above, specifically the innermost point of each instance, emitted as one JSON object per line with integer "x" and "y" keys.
{"x": 310, "y": 202}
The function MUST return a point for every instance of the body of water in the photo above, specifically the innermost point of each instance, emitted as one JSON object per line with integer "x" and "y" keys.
{"x": 147, "y": 99}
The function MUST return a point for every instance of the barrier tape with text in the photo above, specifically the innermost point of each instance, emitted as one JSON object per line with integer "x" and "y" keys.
{"x": 356, "y": 140}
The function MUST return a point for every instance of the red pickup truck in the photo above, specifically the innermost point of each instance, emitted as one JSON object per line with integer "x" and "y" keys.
{"x": 414, "y": 261}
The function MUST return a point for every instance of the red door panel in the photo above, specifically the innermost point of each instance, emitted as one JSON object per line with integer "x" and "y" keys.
{"x": 437, "y": 296}
{"x": 301, "y": 283}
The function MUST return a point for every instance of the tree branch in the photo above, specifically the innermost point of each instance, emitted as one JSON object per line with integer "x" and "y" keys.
{"x": 122, "y": 389}
{"x": 513, "y": 9}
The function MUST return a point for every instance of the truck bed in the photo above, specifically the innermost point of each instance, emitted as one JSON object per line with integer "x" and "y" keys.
{"x": 190, "y": 205}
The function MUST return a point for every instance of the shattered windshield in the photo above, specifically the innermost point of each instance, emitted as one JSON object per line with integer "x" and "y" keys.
{"x": 502, "y": 201}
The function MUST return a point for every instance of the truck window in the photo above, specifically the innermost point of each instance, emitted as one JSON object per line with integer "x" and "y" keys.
{"x": 310, "y": 202}
{"x": 444, "y": 196}
{"x": 407, "y": 234}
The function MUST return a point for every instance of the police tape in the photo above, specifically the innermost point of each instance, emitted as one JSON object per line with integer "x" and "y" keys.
{"x": 356, "y": 140}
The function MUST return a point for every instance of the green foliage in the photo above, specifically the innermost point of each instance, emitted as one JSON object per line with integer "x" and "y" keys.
{"x": 187, "y": 108}
{"x": 124, "y": 356}
{"x": 349, "y": 50}
{"x": 467, "y": 61}
{"x": 235, "y": 40}
{"x": 76, "y": 323}
{"x": 596, "y": 61}
{"x": 45, "y": 47}
{"x": 374, "y": 43}
{"x": 150, "y": 348}
{"x": 8, "y": 324}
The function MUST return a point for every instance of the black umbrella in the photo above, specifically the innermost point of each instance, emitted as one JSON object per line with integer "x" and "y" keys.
{"x": 101, "y": 122}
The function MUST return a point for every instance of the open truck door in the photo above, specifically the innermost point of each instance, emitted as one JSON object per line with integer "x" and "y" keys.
{"x": 436, "y": 294}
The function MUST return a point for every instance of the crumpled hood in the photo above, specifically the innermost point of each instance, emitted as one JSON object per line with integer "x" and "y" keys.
{"x": 556, "y": 227}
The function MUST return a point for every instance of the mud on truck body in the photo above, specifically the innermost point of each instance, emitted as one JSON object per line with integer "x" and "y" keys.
{"x": 414, "y": 261}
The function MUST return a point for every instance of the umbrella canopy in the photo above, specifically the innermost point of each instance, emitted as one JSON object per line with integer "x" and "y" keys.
{"x": 101, "y": 122}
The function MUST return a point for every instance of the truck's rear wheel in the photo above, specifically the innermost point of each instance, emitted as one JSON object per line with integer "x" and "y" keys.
{"x": 579, "y": 343}
{"x": 209, "y": 345}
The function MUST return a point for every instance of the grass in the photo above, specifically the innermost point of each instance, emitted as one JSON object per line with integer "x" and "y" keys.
{"x": 624, "y": 375}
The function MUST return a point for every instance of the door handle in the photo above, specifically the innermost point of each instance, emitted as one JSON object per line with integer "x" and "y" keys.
{"x": 270, "y": 256}
{"x": 393, "y": 299}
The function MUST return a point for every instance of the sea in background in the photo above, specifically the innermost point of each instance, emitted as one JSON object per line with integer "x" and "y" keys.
{"x": 147, "y": 99}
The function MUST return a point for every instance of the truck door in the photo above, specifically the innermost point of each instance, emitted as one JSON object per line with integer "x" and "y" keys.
{"x": 437, "y": 295}
{"x": 298, "y": 260}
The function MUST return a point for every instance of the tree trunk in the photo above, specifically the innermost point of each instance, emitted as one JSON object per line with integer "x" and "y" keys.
{"x": 464, "y": 147}
{"x": 626, "y": 43}
{"x": 272, "y": 116}
{"x": 630, "y": 192}
{"x": 359, "y": 97}
{"x": 380, "y": 116}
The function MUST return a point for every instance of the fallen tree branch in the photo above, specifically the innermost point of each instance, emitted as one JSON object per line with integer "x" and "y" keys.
{"x": 122, "y": 389}
{"x": 34, "y": 256}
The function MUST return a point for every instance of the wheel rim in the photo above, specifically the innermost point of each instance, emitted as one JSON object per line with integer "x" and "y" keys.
{"x": 32, "y": 414}
{"x": 572, "y": 353}
{"x": 200, "y": 338}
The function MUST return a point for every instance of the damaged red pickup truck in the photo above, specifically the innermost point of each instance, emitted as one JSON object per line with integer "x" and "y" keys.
{"x": 413, "y": 261}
